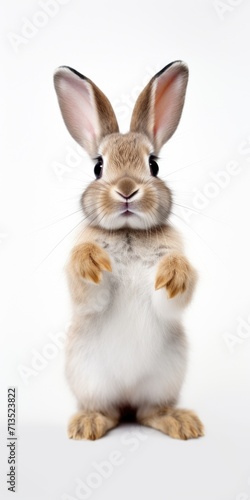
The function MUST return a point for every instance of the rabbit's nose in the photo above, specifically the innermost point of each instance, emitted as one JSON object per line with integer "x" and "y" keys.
{"x": 128, "y": 197}
{"x": 127, "y": 188}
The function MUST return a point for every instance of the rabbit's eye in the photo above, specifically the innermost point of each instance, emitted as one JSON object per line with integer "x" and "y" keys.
{"x": 154, "y": 169}
{"x": 98, "y": 167}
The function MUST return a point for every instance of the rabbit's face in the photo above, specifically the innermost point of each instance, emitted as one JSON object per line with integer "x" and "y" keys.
{"x": 127, "y": 191}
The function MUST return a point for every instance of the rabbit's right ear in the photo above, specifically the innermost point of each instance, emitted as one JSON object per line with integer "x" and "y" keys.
{"x": 158, "y": 108}
{"x": 86, "y": 111}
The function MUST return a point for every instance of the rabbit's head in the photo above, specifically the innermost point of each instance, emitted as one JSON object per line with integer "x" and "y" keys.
{"x": 127, "y": 191}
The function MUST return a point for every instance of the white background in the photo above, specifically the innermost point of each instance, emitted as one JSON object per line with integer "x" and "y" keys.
{"x": 120, "y": 45}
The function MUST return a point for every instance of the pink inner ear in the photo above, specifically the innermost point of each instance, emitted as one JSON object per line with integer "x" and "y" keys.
{"x": 168, "y": 103}
{"x": 78, "y": 109}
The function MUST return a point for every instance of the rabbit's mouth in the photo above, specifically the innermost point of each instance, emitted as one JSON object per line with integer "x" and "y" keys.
{"x": 127, "y": 213}
{"x": 126, "y": 209}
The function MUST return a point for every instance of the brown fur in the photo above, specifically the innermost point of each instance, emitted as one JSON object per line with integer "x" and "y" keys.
{"x": 175, "y": 273}
{"x": 140, "y": 121}
{"x": 77, "y": 264}
{"x": 125, "y": 161}
{"x": 126, "y": 169}
{"x": 90, "y": 425}
{"x": 89, "y": 260}
{"x": 160, "y": 235}
{"x": 126, "y": 153}
{"x": 126, "y": 186}
{"x": 176, "y": 423}
{"x": 108, "y": 121}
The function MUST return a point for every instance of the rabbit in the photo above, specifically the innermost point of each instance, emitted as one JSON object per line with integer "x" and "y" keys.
{"x": 128, "y": 277}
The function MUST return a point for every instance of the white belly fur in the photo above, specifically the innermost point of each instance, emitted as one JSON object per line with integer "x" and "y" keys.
{"x": 129, "y": 348}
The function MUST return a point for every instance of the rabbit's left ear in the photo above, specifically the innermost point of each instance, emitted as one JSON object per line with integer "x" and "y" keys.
{"x": 158, "y": 108}
{"x": 86, "y": 111}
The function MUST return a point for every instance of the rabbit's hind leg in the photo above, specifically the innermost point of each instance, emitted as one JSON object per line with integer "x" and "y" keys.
{"x": 90, "y": 425}
{"x": 175, "y": 422}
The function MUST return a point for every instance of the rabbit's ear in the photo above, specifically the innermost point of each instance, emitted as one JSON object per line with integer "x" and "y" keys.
{"x": 158, "y": 108}
{"x": 86, "y": 111}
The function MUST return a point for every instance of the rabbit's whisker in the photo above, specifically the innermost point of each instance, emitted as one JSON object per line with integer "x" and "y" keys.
{"x": 191, "y": 209}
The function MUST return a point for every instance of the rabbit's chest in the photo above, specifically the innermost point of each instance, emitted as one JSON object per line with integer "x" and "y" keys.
{"x": 134, "y": 264}
{"x": 130, "y": 254}
{"x": 128, "y": 289}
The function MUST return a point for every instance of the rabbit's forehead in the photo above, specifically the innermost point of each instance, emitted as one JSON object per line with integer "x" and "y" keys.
{"x": 124, "y": 150}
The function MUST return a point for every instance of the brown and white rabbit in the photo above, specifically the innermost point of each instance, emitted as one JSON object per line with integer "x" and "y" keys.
{"x": 128, "y": 276}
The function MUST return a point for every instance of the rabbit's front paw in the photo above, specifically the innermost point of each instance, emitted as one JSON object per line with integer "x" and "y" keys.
{"x": 89, "y": 261}
{"x": 175, "y": 273}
